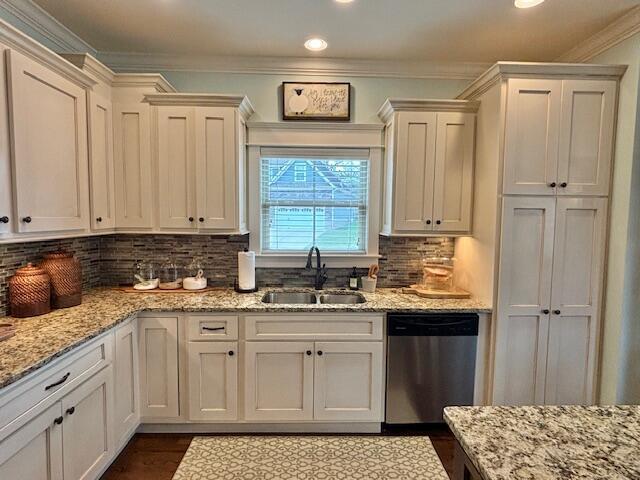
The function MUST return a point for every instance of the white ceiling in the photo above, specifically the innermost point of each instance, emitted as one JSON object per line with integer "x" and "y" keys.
{"x": 425, "y": 30}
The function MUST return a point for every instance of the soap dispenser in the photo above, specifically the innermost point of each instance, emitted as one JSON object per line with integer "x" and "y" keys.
{"x": 353, "y": 280}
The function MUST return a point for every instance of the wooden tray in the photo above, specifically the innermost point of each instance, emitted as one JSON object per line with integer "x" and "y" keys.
{"x": 430, "y": 293}
{"x": 177, "y": 290}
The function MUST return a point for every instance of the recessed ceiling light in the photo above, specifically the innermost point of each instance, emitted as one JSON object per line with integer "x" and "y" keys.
{"x": 315, "y": 44}
{"x": 527, "y": 3}
{"x": 344, "y": 1}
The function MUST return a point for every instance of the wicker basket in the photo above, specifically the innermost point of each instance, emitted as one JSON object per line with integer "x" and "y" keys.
{"x": 66, "y": 279}
{"x": 29, "y": 292}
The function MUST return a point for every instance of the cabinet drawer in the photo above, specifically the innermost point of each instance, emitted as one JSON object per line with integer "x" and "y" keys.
{"x": 57, "y": 380}
{"x": 212, "y": 327}
{"x": 314, "y": 327}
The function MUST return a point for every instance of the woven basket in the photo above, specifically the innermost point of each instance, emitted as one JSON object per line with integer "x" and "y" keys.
{"x": 29, "y": 292}
{"x": 66, "y": 279}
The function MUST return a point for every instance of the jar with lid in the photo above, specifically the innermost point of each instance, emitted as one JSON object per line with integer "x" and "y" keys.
{"x": 29, "y": 292}
{"x": 194, "y": 279}
{"x": 170, "y": 275}
{"x": 144, "y": 276}
{"x": 437, "y": 273}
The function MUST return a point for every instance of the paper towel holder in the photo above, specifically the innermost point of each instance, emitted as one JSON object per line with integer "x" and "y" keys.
{"x": 237, "y": 288}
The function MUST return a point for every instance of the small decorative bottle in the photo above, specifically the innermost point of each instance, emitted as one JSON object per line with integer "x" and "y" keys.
{"x": 353, "y": 280}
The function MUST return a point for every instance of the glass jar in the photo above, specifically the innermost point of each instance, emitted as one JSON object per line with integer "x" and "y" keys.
{"x": 170, "y": 276}
{"x": 144, "y": 276}
{"x": 437, "y": 273}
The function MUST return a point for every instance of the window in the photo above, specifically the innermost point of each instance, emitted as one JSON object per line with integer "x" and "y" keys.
{"x": 314, "y": 200}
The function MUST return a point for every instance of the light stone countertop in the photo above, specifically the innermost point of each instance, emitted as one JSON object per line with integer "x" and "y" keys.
{"x": 550, "y": 442}
{"x": 39, "y": 340}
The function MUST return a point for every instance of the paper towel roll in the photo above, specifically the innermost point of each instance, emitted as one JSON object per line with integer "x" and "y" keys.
{"x": 247, "y": 270}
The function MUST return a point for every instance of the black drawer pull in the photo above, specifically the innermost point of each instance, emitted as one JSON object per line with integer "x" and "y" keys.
{"x": 71, "y": 410}
{"x": 58, "y": 420}
{"x": 4, "y": 219}
{"x": 213, "y": 329}
{"x": 26, "y": 219}
{"x": 231, "y": 353}
{"x": 309, "y": 352}
{"x": 59, "y": 382}
{"x": 320, "y": 352}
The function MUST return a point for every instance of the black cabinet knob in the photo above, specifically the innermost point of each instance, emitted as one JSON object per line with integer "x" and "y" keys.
{"x": 191, "y": 219}
{"x": 99, "y": 219}
{"x": 438, "y": 222}
{"x": 309, "y": 352}
{"x": 428, "y": 222}
{"x": 545, "y": 311}
{"x": 320, "y": 352}
{"x": 201, "y": 219}
{"x": 231, "y": 353}
{"x": 71, "y": 410}
{"x": 58, "y": 420}
{"x": 557, "y": 312}
{"x": 4, "y": 219}
{"x": 552, "y": 184}
{"x": 563, "y": 184}
{"x": 26, "y": 219}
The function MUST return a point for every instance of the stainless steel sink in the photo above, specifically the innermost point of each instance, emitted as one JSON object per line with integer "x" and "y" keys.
{"x": 290, "y": 298}
{"x": 342, "y": 298}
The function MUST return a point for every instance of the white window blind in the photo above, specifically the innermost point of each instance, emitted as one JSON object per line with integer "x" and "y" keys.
{"x": 325, "y": 206}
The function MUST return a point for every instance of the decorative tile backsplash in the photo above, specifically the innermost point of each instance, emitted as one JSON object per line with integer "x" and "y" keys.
{"x": 109, "y": 259}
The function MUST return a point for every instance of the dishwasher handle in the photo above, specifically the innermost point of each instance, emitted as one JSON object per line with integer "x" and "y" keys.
{"x": 433, "y": 325}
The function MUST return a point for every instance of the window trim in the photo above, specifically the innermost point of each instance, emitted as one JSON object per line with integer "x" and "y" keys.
{"x": 278, "y": 140}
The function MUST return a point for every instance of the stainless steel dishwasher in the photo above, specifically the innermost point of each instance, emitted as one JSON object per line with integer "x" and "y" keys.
{"x": 431, "y": 362}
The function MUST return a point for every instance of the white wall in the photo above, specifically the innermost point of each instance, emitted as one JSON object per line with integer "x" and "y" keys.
{"x": 368, "y": 93}
{"x": 620, "y": 370}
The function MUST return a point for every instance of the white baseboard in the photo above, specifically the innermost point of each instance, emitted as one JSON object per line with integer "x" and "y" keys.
{"x": 362, "y": 427}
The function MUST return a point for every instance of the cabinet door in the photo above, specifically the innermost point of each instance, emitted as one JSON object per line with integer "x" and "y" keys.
{"x": 415, "y": 169}
{"x": 132, "y": 158}
{"x": 176, "y": 168}
{"x": 348, "y": 381}
{"x": 217, "y": 168}
{"x": 158, "y": 348}
{"x": 526, "y": 255}
{"x": 531, "y": 136}
{"x": 578, "y": 266}
{"x": 87, "y": 428}
{"x": 453, "y": 185}
{"x": 279, "y": 380}
{"x": 6, "y": 193}
{"x": 49, "y": 133}
{"x": 34, "y": 451}
{"x": 213, "y": 380}
{"x": 586, "y": 137}
{"x": 103, "y": 195}
{"x": 126, "y": 408}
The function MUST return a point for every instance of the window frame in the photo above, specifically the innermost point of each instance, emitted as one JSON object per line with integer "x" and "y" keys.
{"x": 351, "y": 145}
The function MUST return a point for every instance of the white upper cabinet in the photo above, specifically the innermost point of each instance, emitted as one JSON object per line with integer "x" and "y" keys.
{"x": 103, "y": 200}
{"x": 48, "y": 122}
{"x": 428, "y": 186}
{"x": 559, "y": 136}
{"x": 6, "y": 195}
{"x": 176, "y": 168}
{"x": 586, "y": 137}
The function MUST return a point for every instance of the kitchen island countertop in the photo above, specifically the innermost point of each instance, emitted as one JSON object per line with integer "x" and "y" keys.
{"x": 39, "y": 340}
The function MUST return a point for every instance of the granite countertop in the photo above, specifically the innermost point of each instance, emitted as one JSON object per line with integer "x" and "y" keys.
{"x": 39, "y": 340}
{"x": 549, "y": 442}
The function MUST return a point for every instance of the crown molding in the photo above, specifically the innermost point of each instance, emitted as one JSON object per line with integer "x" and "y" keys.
{"x": 292, "y": 66}
{"x": 91, "y": 65}
{"x": 614, "y": 33}
{"x": 42, "y": 22}
{"x": 143, "y": 80}
{"x": 502, "y": 70}
{"x": 392, "y": 105}
{"x": 241, "y": 102}
{"x": 305, "y": 125}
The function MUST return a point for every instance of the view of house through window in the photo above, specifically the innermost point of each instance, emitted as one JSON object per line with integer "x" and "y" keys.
{"x": 315, "y": 200}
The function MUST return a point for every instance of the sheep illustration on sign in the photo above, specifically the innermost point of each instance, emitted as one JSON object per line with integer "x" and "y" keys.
{"x": 316, "y": 101}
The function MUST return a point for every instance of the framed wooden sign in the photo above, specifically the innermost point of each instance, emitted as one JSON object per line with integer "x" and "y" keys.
{"x": 316, "y": 101}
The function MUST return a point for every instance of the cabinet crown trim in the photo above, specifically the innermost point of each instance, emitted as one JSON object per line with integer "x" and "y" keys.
{"x": 89, "y": 63}
{"x": 392, "y": 105}
{"x": 502, "y": 70}
{"x": 150, "y": 80}
{"x": 240, "y": 102}
{"x": 13, "y": 38}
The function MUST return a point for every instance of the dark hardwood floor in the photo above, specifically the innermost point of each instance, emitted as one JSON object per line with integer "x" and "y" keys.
{"x": 157, "y": 456}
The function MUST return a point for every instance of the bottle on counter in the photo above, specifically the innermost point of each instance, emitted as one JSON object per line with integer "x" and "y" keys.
{"x": 353, "y": 280}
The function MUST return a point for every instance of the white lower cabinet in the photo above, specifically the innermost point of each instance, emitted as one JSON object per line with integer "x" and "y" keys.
{"x": 126, "y": 408}
{"x": 158, "y": 350}
{"x": 279, "y": 381}
{"x": 213, "y": 380}
{"x": 34, "y": 451}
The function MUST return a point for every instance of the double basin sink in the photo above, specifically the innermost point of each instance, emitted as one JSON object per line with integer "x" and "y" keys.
{"x": 307, "y": 298}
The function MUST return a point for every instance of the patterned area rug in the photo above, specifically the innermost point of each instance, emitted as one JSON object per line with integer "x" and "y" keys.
{"x": 310, "y": 458}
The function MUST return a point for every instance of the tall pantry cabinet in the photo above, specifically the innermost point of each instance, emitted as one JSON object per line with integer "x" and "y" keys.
{"x": 545, "y": 147}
